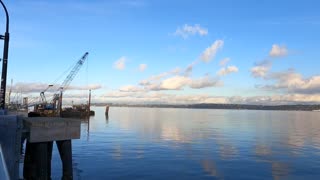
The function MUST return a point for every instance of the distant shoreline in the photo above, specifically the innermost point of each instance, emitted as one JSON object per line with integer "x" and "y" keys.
{"x": 298, "y": 107}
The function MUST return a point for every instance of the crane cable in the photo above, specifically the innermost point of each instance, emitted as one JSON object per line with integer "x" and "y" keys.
{"x": 64, "y": 73}
{"x": 87, "y": 75}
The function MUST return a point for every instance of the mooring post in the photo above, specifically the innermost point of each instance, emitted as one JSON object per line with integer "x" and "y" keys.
{"x": 36, "y": 164}
{"x": 107, "y": 111}
{"x": 89, "y": 103}
{"x": 41, "y": 160}
{"x": 65, "y": 151}
{"x": 29, "y": 168}
{"x": 38, "y": 156}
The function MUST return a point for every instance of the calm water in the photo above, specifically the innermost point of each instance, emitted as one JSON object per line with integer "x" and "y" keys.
{"x": 153, "y": 143}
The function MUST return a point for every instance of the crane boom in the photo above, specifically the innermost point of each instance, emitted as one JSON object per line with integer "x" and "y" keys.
{"x": 73, "y": 72}
{"x": 42, "y": 96}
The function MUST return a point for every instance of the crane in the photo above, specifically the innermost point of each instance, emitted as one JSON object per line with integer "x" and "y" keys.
{"x": 42, "y": 96}
{"x": 57, "y": 97}
{"x": 56, "y": 103}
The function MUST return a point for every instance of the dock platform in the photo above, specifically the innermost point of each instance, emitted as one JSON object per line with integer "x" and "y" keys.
{"x": 40, "y": 133}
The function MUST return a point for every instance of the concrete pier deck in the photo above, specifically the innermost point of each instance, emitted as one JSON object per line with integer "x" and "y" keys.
{"x": 44, "y": 129}
{"x": 39, "y": 131}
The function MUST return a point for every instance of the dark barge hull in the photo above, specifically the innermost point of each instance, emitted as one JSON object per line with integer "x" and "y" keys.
{"x": 76, "y": 114}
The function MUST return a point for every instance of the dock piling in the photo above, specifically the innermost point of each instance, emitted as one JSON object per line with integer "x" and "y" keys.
{"x": 42, "y": 132}
{"x": 107, "y": 111}
{"x": 65, "y": 151}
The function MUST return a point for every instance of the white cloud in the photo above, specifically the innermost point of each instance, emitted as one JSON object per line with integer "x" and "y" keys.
{"x": 293, "y": 82}
{"x": 174, "y": 83}
{"x": 276, "y": 99}
{"x": 298, "y": 88}
{"x": 178, "y": 82}
{"x": 224, "y": 61}
{"x": 166, "y": 98}
{"x": 189, "y": 69}
{"x": 29, "y": 87}
{"x": 177, "y": 79}
{"x": 180, "y": 77}
{"x": 130, "y": 88}
{"x": 158, "y": 77}
{"x": 118, "y": 94}
{"x": 204, "y": 82}
{"x": 262, "y": 69}
{"x": 259, "y": 71}
{"x": 187, "y": 31}
{"x": 87, "y": 87}
{"x": 227, "y": 70}
{"x": 211, "y": 51}
{"x": 142, "y": 67}
{"x": 159, "y": 98}
{"x": 144, "y": 82}
{"x": 120, "y": 64}
{"x": 32, "y": 91}
{"x": 278, "y": 51}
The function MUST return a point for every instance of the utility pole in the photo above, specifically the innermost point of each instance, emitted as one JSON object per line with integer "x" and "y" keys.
{"x": 4, "y": 37}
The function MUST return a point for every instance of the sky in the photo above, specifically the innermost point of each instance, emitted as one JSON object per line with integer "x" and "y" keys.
{"x": 177, "y": 52}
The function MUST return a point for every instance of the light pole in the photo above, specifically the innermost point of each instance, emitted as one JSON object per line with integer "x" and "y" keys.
{"x": 5, "y": 37}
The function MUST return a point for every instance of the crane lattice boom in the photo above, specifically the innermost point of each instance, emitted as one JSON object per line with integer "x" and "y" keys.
{"x": 73, "y": 72}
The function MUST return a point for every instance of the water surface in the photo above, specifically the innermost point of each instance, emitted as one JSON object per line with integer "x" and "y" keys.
{"x": 167, "y": 143}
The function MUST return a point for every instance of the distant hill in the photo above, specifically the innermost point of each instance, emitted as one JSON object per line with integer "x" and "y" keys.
{"x": 298, "y": 107}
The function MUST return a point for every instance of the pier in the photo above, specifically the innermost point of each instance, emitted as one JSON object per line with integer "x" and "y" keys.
{"x": 40, "y": 134}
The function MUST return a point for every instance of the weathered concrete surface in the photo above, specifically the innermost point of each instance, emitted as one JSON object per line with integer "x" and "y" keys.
{"x": 10, "y": 140}
{"x": 44, "y": 129}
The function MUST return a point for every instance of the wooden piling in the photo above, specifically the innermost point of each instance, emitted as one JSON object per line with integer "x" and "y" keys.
{"x": 107, "y": 111}
{"x": 65, "y": 151}
{"x": 42, "y": 131}
{"x": 41, "y": 160}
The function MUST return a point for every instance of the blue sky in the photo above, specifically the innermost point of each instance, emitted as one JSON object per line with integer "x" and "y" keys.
{"x": 148, "y": 51}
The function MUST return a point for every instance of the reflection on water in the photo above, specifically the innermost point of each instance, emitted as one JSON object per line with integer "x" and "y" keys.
{"x": 263, "y": 151}
{"x": 107, "y": 118}
{"x": 280, "y": 170}
{"x": 116, "y": 154}
{"x": 210, "y": 168}
{"x": 153, "y": 143}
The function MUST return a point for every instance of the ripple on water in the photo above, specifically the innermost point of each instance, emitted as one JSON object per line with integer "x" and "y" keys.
{"x": 152, "y": 143}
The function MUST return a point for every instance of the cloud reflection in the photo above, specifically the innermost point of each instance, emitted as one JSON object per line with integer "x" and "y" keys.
{"x": 280, "y": 170}
{"x": 210, "y": 167}
{"x": 264, "y": 138}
